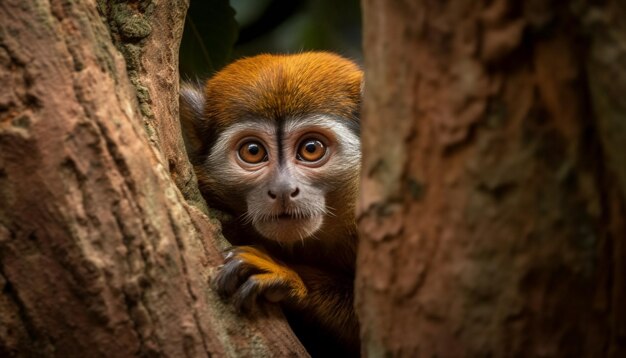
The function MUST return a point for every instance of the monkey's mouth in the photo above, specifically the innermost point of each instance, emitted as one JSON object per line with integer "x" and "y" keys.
{"x": 287, "y": 216}
{"x": 289, "y": 227}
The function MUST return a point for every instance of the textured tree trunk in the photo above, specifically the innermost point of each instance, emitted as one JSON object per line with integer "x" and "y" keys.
{"x": 494, "y": 179}
{"x": 100, "y": 254}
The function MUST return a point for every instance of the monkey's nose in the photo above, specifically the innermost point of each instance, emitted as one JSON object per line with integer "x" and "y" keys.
{"x": 295, "y": 193}
{"x": 284, "y": 193}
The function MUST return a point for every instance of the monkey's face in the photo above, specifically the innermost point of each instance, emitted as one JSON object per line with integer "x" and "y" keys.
{"x": 286, "y": 178}
{"x": 283, "y": 144}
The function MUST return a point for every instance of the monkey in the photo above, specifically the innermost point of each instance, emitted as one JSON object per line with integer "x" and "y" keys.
{"x": 275, "y": 142}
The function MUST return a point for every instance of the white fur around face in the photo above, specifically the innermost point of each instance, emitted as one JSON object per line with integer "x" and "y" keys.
{"x": 244, "y": 187}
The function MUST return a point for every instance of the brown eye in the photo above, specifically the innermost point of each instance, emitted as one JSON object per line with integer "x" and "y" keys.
{"x": 311, "y": 150}
{"x": 252, "y": 152}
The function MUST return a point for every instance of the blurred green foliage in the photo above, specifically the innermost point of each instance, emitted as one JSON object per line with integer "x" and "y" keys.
{"x": 216, "y": 33}
{"x": 209, "y": 35}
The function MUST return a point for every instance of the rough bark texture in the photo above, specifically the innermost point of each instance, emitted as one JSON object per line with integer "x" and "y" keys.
{"x": 100, "y": 254}
{"x": 493, "y": 206}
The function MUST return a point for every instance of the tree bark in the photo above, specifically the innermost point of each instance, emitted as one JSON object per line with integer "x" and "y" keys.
{"x": 493, "y": 206}
{"x": 100, "y": 254}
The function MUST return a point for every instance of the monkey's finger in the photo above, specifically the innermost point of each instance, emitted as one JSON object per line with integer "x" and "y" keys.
{"x": 232, "y": 275}
{"x": 229, "y": 253}
{"x": 228, "y": 279}
{"x": 247, "y": 296}
{"x": 250, "y": 251}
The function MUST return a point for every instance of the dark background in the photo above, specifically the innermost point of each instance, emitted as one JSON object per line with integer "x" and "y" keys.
{"x": 217, "y": 32}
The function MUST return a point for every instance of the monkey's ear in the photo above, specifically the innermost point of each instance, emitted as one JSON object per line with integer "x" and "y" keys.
{"x": 191, "y": 101}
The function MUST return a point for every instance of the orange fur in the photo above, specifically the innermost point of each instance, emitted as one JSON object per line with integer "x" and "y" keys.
{"x": 277, "y": 86}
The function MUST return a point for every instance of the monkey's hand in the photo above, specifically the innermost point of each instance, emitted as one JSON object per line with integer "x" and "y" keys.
{"x": 249, "y": 274}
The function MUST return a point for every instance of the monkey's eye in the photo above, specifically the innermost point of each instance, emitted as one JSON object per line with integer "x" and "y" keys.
{"x": 252, "y": 152}
{"x": 311, "y": 150}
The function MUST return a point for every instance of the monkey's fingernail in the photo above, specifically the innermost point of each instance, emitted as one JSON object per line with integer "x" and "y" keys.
{"x": 219, "y": 267}
{"x": 229, "y": 255}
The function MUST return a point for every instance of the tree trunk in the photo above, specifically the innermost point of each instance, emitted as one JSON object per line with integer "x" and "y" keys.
{"x": 493, "y": 208}
{"x": 100, "y": 254}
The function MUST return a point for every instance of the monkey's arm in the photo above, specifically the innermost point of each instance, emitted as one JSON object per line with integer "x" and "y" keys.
{"x": 329, "y": 303}
{"x": 323, "y": 297}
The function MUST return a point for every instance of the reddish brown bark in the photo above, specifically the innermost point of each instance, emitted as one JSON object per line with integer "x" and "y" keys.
{"x": 99, "y": 252}
{"x": 493, "y": 203}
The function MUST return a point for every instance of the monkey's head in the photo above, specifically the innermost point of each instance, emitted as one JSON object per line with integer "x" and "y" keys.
{"x": 275, "y": 140}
